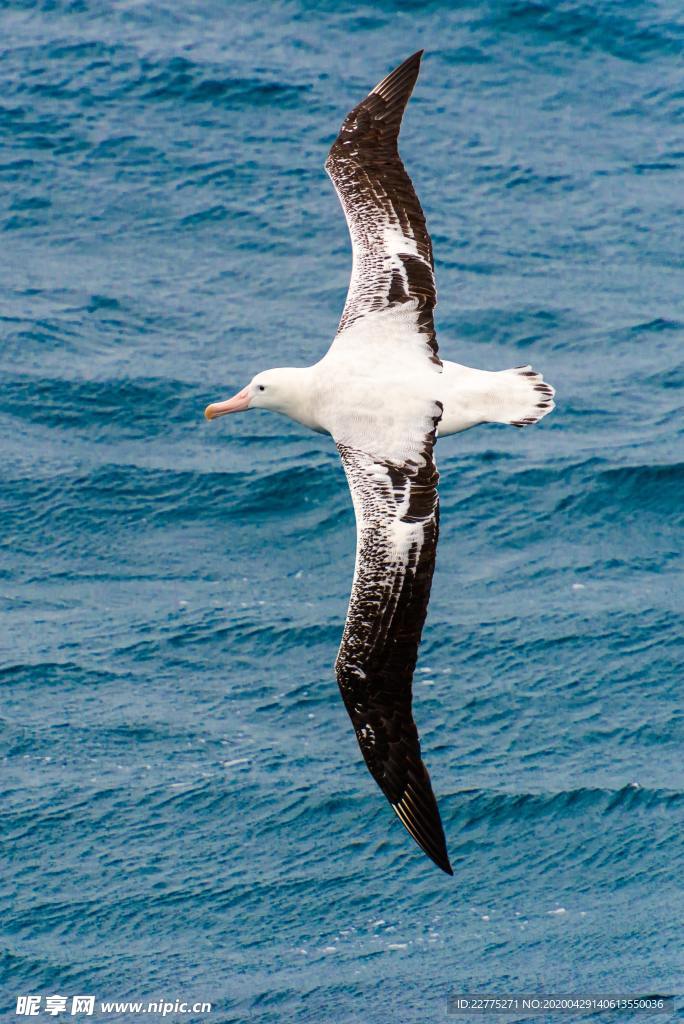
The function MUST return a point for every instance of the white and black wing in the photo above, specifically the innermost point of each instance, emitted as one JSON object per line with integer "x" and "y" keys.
{"x": 397, "y": 519}
{"x": 392, "y": 252}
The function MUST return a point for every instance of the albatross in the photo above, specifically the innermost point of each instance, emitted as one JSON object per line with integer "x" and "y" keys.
{"x": 383, "y": 394}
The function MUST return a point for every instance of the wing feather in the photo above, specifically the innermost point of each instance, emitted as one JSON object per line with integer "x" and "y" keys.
{"x": 397, "y": 514}
{"x": 392, "y": 251}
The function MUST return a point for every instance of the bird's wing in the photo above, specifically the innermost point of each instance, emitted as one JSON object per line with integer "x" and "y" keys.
{"x": 392, "y": 252}
{"x": 397, "y": 515}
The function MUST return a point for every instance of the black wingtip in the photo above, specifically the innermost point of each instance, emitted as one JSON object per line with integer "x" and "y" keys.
{"x": 401, "y": 80}
{"x": 419, "y": 815}
{"x": 442, "y": 861}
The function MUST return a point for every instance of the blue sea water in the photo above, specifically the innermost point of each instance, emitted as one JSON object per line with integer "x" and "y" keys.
{"x": 185, "y": 813}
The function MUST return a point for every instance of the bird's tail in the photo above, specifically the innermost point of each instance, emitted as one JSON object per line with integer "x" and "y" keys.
{"x": 523, "y": 397}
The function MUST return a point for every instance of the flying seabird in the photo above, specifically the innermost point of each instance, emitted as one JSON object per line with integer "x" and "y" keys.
{"x": 383, "y": 394}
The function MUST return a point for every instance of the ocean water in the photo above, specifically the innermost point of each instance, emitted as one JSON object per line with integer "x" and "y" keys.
{"x": 185, "y": 813}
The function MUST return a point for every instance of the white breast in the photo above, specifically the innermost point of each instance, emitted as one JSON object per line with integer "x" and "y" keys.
{"x": 376, "y": 390}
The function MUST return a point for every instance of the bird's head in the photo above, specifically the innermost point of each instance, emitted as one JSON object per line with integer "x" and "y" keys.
{"x": 270, "y": 389}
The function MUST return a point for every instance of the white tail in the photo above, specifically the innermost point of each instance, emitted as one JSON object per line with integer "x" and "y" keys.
{"x": 525, "y": 397}
{"x": 519, "y": 396}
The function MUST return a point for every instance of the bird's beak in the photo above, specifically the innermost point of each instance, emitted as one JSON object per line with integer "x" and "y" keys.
{"x": 238, "y": 403}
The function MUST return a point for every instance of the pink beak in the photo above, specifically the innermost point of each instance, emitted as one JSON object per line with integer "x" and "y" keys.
{"x": 238, "y": 403}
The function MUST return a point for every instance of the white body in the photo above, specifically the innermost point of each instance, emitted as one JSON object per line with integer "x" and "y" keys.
{"x": 375, "y": 390}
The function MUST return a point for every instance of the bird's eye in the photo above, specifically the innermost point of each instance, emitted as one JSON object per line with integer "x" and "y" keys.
{"x": 262, "y": 387}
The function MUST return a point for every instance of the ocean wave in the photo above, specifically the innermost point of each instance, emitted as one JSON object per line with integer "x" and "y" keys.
{"x": 471, "y": 808}
{"x": 181, "y": 78}
{"x": 590, "y": 486}
{"x": 141, "y": 406}
{"x": 46, "y": 674}
{"x": 616, "y": 28}
{"x": 239, "y": 634}
{"x": 120, "y": 493}
{"x": 632, "y": 489}
{"x": 92, "y": 71}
